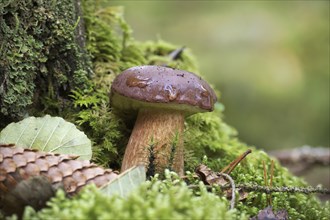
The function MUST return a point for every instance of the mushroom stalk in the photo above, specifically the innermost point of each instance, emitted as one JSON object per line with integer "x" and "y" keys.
{"x": 162, "y": 129}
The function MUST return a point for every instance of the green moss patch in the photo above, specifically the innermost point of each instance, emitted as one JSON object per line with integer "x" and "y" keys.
{"x": 41, "y": 57}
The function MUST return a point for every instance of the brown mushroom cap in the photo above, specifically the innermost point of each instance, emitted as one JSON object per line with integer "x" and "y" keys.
{"x": 161, "y": 87}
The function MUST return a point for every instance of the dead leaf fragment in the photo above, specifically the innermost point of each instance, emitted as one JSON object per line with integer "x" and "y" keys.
{"x": 268, "y": 214}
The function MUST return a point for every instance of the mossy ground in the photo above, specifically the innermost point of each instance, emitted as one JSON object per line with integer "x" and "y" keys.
{"x": 208, "y": 140}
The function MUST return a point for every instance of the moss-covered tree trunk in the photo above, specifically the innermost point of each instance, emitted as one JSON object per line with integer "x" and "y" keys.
{"x": 42, "y": 56}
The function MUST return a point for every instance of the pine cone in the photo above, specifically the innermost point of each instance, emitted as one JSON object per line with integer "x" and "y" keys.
{"x": 21, "y": 167}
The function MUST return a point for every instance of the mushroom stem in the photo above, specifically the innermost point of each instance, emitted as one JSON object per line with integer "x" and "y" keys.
{"x": 163, "y": 129}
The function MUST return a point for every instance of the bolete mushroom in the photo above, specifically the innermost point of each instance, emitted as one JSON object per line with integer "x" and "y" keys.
{"x": 162, "y": 98}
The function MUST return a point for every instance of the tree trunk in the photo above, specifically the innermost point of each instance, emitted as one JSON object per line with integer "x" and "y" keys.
{"x": 42, "y": 56}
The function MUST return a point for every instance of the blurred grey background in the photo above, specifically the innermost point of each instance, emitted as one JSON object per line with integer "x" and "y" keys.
{"x": 270, "y": 60}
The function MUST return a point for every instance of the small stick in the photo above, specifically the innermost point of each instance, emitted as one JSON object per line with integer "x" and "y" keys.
{"x": 252, "y": 187}
{"x": 265, "y": 173}
{"x": 234, "y": 163}
{"x": 265, "y": 179}
{"x": 271, "y": 181}
{"x": 175, "y": 54}
{"x": 271, "y": 173}
{"x": 233, "y": 189}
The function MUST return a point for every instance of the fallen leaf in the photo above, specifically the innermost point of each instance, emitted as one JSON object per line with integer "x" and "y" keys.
{"x": 125, "y": 182}
{"x": 210, "y": 177}
{"x": 49, "y": 134}
{"x": 268, "y": 214}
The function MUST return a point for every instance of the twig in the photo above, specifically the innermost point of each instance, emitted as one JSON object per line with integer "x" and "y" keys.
{"x": 234, "y": 163}
{"x": 265, "y": 173}
{"x": 271, "y": 174}
{"x": 284, "y": 189}
{"x": 233, "y": 189}
{"x": 271, "y": 180}
{"x": 176, "y": 54}
{"x": 303, "y": 158}
{"x": 268, "y": 190}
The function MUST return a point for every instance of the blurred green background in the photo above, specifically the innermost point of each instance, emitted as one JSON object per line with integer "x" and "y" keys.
{"x": 270, "y": 60}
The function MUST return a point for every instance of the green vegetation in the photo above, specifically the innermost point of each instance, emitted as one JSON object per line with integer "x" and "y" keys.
{"x": 171, "y": 198}
{"x": 208, "y": 139}
{"x": 41, "y": 59}
{"x": 156, "y": 199}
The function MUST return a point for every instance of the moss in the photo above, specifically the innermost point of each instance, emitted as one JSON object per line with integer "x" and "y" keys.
{"x": 170, "y": 198}
{"x": 207, "y": 138}
{"x": 41, "y": 57}
{"x": 156, "y": 199}
{"x": 107, "y": 132}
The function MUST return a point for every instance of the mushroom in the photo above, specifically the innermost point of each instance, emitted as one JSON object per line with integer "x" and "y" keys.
{"x": 162, "y": 98}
